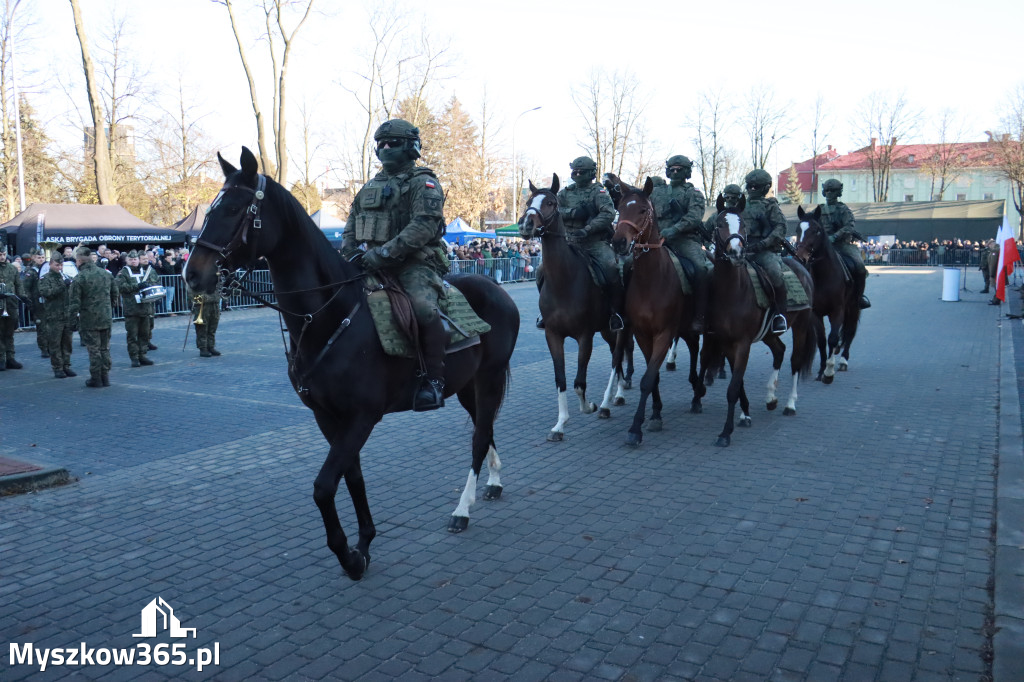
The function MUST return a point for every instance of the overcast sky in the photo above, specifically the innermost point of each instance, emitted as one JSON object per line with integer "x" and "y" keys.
{"x": 527, "y": 53}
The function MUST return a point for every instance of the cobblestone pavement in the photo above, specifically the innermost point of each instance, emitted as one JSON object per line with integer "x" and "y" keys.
{"x": 853, "y": 541}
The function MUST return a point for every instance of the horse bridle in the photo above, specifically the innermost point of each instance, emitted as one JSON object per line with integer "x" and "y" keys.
{"x": 546, "y": 224}
{"x": 635, "y": 243}
{"x": 721, "y": 243}
{"x": 249, "y": 219}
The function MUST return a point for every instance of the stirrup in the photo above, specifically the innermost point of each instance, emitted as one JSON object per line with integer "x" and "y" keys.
{"x": 864, "y": 302}
{"x": 616, "y": 323}
{"x": 779, "y": 324}
{"x": 429, "y": 395}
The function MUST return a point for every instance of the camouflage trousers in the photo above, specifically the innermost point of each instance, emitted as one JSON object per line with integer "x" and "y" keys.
{"x": 41, "y": 333}
{"x": 57, "y": 337}
{"x": 7, "y": 326}
{"x": 852, "y": 253}
{"x": 97, "y": 342}
{"x": 771, "y": 263}
{"x": 206, "y": 333}
{"x": 601, "y": 252}
{"x": 694, "y": 252}
{"x": 138, "y": 330}
{"x": 424, "y": 287}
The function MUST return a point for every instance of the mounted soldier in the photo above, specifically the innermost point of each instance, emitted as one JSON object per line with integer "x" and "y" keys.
{"x": 398, "y": 219}
{"x": 679, "y": 207}
{"x": 766, "y": 230}
{"x": 837, "y": 219}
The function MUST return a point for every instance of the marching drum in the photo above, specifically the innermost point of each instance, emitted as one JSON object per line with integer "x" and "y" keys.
{"x": 151, "y": 293}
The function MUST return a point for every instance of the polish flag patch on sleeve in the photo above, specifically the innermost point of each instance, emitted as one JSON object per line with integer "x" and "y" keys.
{"x": 430, "y": 184}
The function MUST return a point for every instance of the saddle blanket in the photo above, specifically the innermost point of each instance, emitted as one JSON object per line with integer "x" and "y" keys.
{"x": 796, "y": 295}
{"x": 684, "y": 279}
{"x": 453, "y": 306}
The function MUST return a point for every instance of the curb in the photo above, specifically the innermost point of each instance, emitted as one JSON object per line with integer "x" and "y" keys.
{"x": 1008, "y": 638}
{"x": 30, "y": 481}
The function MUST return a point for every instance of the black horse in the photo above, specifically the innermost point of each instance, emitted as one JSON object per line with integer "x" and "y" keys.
{"x": 335, "y": 361}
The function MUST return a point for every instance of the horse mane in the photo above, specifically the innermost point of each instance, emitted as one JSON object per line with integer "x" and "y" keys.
{"x": 293, "y": 213}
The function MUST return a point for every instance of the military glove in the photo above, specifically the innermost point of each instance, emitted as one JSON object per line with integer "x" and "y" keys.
{"x": 580, "y": 213}
{"x": 577, "y": 235}
{"x": 374, "y": 260}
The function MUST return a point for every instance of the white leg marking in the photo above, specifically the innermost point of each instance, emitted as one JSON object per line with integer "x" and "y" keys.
{"x": 563, "y": 412}
{"x": 468, "y": 496}
{"x": 584, "y": 405}
{"x": 606, "y": 402}
{"x": 792, "y": 395}
{"x": 773, "y": 384}
{"x": 830, "y": 366}
{"x": 620, "y": 389}
{"x": 493, "y": 467}
{"x": 671, "y": 357}
{"x": 843, "y": 364}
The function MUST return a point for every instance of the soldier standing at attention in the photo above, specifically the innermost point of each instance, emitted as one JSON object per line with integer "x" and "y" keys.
{"x": 766, "y": 230}
{"x": 837, "y": 219}
{"x": 90, "y": 310}
{"x": 679, "y": 207}
{"x": 30, "y": 274}
{"x": 10, "y": 290}
{"x": 138, "y": 315}
{"x": 398, "y": 217}
{"x": 587, "y": 212}
{"x": 53, "y": 288}
{"x": 206, "y": 308}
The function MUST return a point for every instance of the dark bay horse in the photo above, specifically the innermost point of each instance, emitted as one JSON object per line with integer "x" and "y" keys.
{"x": 335, "y": 361}
{"x": 656, "y": 307}
{"x": 737, "y": 322}
{"x": 572, "y": 305}
{"x": 834, "y": 297}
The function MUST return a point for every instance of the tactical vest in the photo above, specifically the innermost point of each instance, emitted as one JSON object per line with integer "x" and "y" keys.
{"x": 382, "y": 214}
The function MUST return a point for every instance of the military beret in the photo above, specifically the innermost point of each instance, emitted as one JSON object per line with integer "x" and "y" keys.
{"x": 56, "y": 257}
{"x": 132, "y": 254}
{"x": 26, "y": 257}
{"x": 34, "y": 252}
{"x": 83, "y": 252}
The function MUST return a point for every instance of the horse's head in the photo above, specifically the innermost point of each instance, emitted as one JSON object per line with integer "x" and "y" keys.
{"x": 812, "y": 234}
{"x": 614, "y": 187}
{"x": 232, "y": 234}
{"x": 730, "y": 232}
{"x": 637, "y": 226}
{"x": 541, "y": 216}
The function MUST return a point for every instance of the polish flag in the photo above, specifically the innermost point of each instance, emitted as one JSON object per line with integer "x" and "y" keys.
{"x": 1008, "y": 255}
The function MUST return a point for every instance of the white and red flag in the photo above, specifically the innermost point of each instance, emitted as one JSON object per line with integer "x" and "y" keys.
{"x": 1008, "y": 256}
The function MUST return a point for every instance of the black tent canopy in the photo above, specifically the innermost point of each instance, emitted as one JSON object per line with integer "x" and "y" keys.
{"x": 71, "y": 224}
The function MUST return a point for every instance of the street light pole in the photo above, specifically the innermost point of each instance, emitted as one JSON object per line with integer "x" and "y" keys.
{"x": 515, "y": 188}
{"x": 17, "y": 110}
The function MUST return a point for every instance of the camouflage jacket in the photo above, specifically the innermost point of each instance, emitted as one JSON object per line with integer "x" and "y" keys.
{"x": 129, "y": 283}
{"x": 838, "y": 222}
{"x": 11, "y": 285}
{"x": 30, "y": 285}
{"x": 54, "y": 290}
{"x": 404, "y": 211}
{"x": 765, "y": 225}
{"x": 680, "y": 211}
{"x": 598, "y": 225}
{"x": 91, "y": 297}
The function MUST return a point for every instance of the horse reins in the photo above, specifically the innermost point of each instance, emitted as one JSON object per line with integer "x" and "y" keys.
{"x": 635, "y": 244}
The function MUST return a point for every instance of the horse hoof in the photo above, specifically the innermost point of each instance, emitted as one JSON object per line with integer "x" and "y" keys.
{"x": 772, "y": 405}
{"x": 743, "y": 422}
{"x": 556, "y": 437}
{"x": 696, "y": 407}
{"x": 492, "y": 492}
{"x": 619, "y": 401}
{"x": 709, "y": 380}
{"x": 361, "y": 562}
{"x": 670, "y": 366}
{"x": 827, "y": 380}
{"x": 721, "y": 373}
{"x": 818, "y": 378}
{"x": 789, "y": 412}
{"x": 723, "y": 441}
{"x": 604, "y": 413}
{"x": 655, "y": 425}
{"x": 628, "y": 384}
{"x": 634, "y": 439}
{"x": 458, "y": 524}
{"x": 842, "y": 368}
{"x": 590, "y": 409}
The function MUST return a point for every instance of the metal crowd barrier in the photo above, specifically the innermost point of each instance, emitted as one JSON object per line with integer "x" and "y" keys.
{"x": 925, "y": 257}
{"x": 501, "y": 269}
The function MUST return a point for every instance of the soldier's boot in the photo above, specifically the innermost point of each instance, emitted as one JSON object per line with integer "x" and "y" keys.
{"x": 13, "y": 364}
{"x": 151, "y": 346}
{"x": 617, "y": 300}
{"x": 94, "y": 381}
{"x": 68, "y": 372}
{"x": 136, "y": 363}
{"x": 430, "y": 392}
{"x": 781, "y": 308}
{"x": 46, "y": 354}
{"x": 861, "y": 282}
{"x": 985, "y": 290}
{"x": 143, "y": 360}
{"x": 215, "y": 353}
{"x": 60, "y": 374}
{"x": 105, "y": 378}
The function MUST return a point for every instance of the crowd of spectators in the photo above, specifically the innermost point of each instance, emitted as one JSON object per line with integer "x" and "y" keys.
{"x": 956, "y": 252}
{"x": 502, "y": 259}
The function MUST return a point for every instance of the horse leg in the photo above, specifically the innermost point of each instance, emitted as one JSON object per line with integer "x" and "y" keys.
{"x": 615, "y": 381}
{"x": 696, "y": 380}
{"x": 343, "y": 460}
{"x": 744, "y": 419}
{"x": 778, "y": 349}
{"x": 586, "y": 344}
{"x": 835, "y": 325}
{"x": 656, "y": 405}
{"x": 627, "y": 380}
{"x": 670, "y": 359}
{"x": 819, "y": 325}
{"x": 605, "y": 411}
{"x": 791, "y": 403}
{"x": 556, "y": 346}
{"x": 654, "y": 350}
{"x": 481, "y": 399}
{"x": 738, "y": 366}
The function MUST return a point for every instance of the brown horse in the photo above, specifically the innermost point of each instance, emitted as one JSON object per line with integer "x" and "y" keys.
{"x": 572, "y": 305}
{"x": 737, "y": 321}
{"x": 834, "y": 297}
{"x": 656, "y": 307}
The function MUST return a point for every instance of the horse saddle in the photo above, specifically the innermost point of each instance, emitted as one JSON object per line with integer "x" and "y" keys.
{"x": 684, "y": 269}
{"x": 395, "y": 322}
{"x": 846, "y": 265}
{"x": 796, "y": 295}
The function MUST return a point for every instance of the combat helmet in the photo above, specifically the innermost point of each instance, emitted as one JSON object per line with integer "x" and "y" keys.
{"x": 398, "y": 129}
{"x": 678, "y": 160}
{"x": 583, "y": 163}
{"x": 832, "y": 184}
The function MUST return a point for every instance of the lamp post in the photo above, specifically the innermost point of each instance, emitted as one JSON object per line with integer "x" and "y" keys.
{"x": 17, "y": 109}
{"x": 515, "y": 188}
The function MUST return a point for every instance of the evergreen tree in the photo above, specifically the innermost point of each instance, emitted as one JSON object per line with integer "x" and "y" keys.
{"x": 794, "y": 193}
{"x": 40, "y": 168}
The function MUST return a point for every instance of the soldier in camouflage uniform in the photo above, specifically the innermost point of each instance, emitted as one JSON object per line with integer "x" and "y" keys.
{"x": 766, "y": 230}
{"x": 679, "y": 207}
{"x": 837, "y": 219}
{"x": 587, "y": 213}
{"x": 138, "y": 315}
{"x": 10, "y": 290}
{"x": 90, "y": 310}
{"x": 31, "y": 263}
{"x": 206, "y": 331}
{"x": 398, "y": 217}
{"x": 53, "y": 288}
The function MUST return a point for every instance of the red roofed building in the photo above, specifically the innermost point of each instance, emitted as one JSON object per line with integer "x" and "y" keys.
{"x": 961, "y": 171}
{"x": 807, "y": 172}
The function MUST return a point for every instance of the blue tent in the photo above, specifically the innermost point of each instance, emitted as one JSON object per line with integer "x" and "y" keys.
{"x": 333, "y": 228}
{"x": 458, "y": 232}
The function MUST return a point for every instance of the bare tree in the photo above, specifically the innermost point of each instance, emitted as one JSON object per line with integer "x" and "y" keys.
{"x": 709, "y": 122}
{"x": 766, "y": 122}
{"x": 821, "y": 128}
{"x": 305, "y": 188}
{"x": 105, "y": 190}
{"x": 947, "y": 163}
{"x": 1010, "y": 145}
{"x": 612, "y": 106}
{"x": 884, "y": 118}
